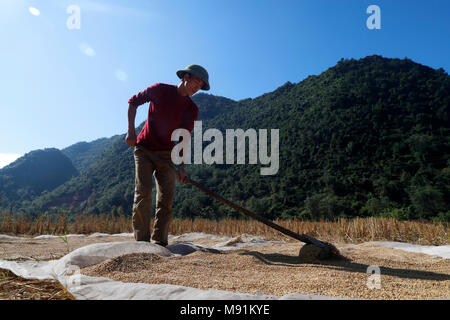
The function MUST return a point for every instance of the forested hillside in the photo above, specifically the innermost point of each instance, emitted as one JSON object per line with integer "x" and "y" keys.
{"x": 84, "y": 154}
{"x": 32, "y": 174}
{"x": 366, "y": 137}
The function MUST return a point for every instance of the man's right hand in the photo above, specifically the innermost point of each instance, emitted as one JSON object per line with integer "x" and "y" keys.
{"x": 131, "y": 138}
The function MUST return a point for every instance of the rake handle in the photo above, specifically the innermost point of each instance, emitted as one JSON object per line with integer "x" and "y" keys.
{"x": 300, "y": 237}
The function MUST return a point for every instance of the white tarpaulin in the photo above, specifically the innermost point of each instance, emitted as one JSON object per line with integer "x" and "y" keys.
{"x": 436, "y": 251}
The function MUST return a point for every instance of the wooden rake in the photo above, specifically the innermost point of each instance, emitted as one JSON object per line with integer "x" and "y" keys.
{"x": 326, "y": 250}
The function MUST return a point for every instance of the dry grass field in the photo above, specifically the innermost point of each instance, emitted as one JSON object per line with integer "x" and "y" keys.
{"x": 342, "y": 230}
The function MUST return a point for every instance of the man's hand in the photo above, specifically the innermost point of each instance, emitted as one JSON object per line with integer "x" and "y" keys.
{"x": 131, "y": 135}
{"x": 131, "y": 138}
{"x": 182, "y": 175}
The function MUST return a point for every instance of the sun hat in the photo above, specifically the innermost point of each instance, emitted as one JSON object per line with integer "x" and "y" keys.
{"x": 198, "y": 71}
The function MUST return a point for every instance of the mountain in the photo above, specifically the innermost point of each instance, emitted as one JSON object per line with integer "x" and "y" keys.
{"x": 34, "y": 173}
{"x": 210, "y": 106}
{"x": 365, "y": 137}
{"x": 84, "y": 154}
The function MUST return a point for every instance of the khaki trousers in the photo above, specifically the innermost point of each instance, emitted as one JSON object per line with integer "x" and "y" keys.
{"x": 165, "y": 179}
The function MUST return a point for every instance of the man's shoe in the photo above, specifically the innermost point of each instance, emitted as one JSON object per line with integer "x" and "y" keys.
{"x": 163, "y": 244}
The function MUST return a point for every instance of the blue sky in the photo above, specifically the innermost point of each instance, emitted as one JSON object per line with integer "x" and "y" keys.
{"x": 60, "y": 86}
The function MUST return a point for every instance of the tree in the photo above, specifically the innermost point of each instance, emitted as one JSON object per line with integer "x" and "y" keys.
{"x": 427, "y": 201}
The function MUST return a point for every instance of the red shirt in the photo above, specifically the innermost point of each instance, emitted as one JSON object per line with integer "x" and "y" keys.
{"x": 167, "y": 112}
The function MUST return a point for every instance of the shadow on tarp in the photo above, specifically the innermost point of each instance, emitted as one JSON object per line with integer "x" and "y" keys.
{"x": 345, "y": 265}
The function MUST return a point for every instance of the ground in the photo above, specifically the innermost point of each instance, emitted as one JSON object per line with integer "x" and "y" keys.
{"x": 273, "y": 268}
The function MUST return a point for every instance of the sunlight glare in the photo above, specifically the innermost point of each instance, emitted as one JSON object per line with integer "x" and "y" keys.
{"x": 34, "y": 11}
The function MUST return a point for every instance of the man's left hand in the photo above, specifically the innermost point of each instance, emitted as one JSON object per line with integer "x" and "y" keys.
{"x": 182, "y": 175}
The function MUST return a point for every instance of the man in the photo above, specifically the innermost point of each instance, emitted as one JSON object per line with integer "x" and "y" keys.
{"x": 170, "y": 108}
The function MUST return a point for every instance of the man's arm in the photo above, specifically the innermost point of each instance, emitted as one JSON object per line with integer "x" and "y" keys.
{"x": 188, "y": 124}
{"x": 131, "y": 134}
{"x": 182, "y": 175}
